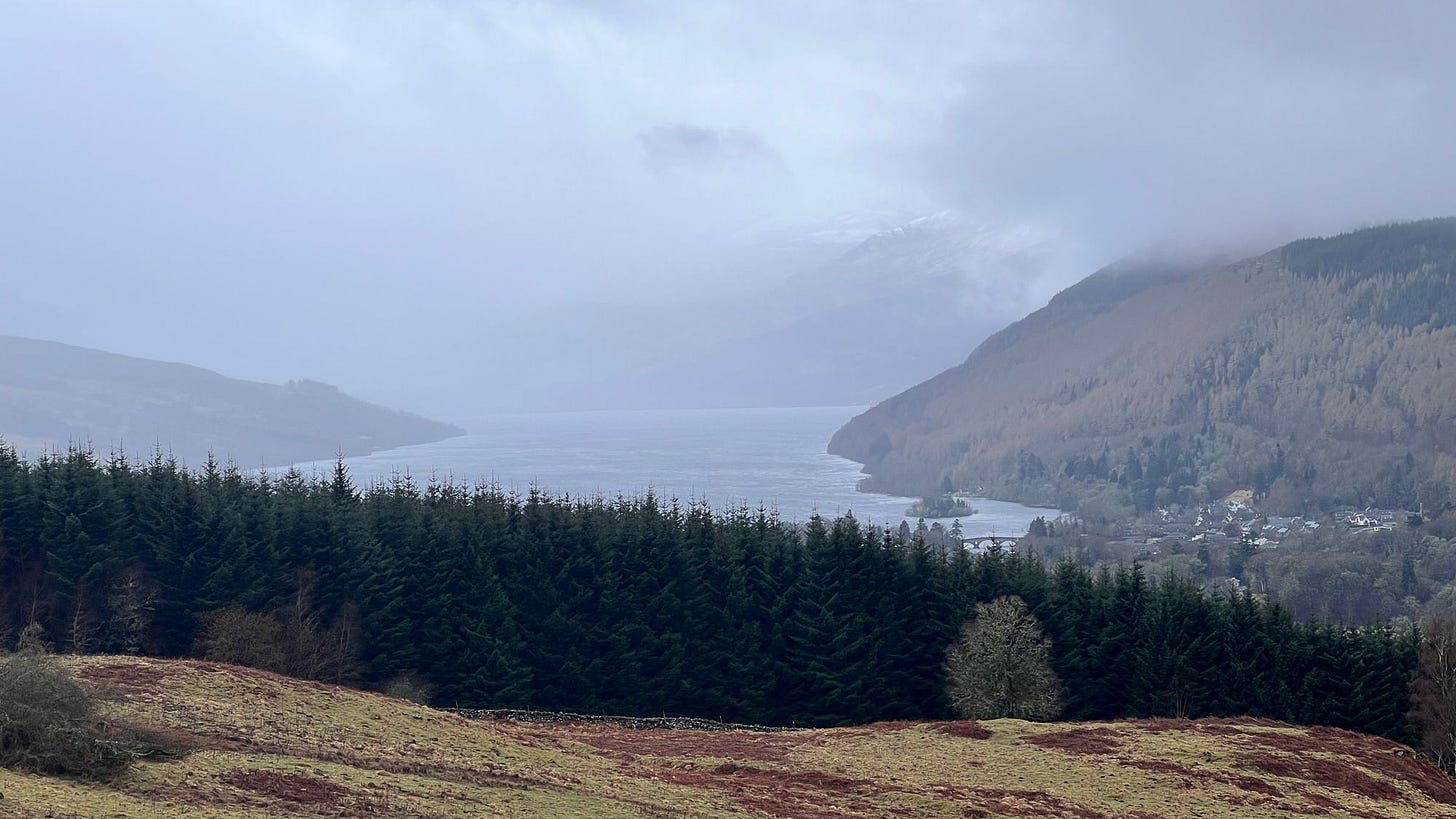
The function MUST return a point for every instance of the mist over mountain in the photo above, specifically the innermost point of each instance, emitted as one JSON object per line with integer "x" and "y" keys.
{"x": 53, "y": 395}
{"x": 847, "y": 319}
{"x": 1317, "y": 370}
{"x": 463, "y": 207}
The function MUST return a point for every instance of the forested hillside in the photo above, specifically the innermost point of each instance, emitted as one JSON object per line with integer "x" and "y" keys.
{"x": 52, "y": 395}
{"x": 632, "y": 606}
{"x": 1317, "y": 372}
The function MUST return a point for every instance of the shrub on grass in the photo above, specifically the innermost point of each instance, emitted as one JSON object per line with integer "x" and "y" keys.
{"x": 48, "y": 722}
{"x": 408, "y": 685}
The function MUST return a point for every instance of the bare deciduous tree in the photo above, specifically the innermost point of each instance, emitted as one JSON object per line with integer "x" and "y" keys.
{"x": 288, "y": 640}
{"x": 1433, "y": 692}
{"x": 236, "y": 635}
{"x": 999, "y": 666}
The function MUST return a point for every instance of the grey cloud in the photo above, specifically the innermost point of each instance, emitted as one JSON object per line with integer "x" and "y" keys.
{"x": 1136, "y": 123}
{"x": 680, "y": 146}
{"x": 390, "y": 195}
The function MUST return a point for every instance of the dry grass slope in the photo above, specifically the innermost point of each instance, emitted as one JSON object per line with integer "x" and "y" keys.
{"x": 264, "y": 745}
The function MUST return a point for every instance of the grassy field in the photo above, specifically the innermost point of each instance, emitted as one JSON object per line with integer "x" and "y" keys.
{"x": 260, "y": 745}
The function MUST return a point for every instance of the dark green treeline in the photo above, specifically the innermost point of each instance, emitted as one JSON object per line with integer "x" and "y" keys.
{"x": 635, "y": 606}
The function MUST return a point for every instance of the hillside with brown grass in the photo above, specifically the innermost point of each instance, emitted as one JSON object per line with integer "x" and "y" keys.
{"x": 1305, "y": 371}
{"x": 255, "y": 744}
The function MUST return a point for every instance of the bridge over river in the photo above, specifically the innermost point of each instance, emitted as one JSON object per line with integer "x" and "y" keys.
{"x": 981, "y": 543}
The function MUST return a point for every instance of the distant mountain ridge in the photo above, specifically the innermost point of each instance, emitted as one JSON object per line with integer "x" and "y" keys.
{"x": 1315, "y": 371}
{"x": 52, "y": 395}
{"x": 875, "y": 313}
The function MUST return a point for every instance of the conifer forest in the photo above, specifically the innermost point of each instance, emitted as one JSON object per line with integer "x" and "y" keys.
{"x": 483, "y": 598}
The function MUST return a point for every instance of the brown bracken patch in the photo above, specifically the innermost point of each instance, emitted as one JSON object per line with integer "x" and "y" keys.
{"x": 1320, "y": 800}
{"x": 787, "y": 794}
{"x": 968, "y": 729}
{"x": 1096, "y": 741}
{"x": 290, "y": 787}
{"x": 1162, "y": 766}
{"x": 1007, "y": 802}
{"x": 1249, "y": 783}
{"x": 1390, "y": 761}
{"x": 1330, "y": 773}
{"x": 1325, "y": 805}
{"x": 1193, "y": 775}
{"x": 129, "y": 677}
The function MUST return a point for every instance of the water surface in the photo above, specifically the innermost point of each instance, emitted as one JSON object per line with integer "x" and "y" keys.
{"x": 769, "y": 457}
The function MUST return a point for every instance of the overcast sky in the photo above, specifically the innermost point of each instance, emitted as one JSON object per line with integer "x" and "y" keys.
{"x": 357, "y": 192}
